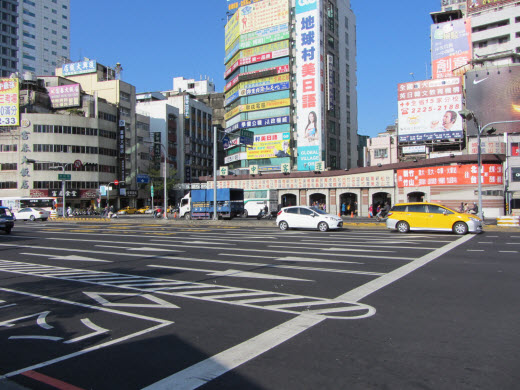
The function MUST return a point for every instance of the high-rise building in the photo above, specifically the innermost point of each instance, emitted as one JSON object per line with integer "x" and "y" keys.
{"x": 43, "y": 35}
{"x": 291, "y": 80}
{"x": 8, "y": 37}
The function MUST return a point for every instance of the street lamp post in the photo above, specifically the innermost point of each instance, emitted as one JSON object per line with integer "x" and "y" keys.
{"x": 63, "y": 187}
{"x": 215, "y": 130}
{"x": 165, "y": 193}
{"x": 470, "y": 115}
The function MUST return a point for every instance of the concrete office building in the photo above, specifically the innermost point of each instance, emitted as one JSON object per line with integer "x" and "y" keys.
{"x": 201, "y": 87}
{"x": 104, "y": 82}
{"x": 67, "y": 128}
{"x": 8, "y": 37}
{"x": 164, "y": 120}
{"x": 190, "y": 139}
{"x": 43, "y": 35}
{"x": 291, "y": 80}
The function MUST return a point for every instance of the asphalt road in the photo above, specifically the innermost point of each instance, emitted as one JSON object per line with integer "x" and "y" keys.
{"x": 150, "y": 306}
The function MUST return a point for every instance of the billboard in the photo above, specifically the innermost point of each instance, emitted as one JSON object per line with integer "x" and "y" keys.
{"x": 9, "y": 102}
{"x": 232, "y": 6}
{"x": 255, "y": 74}
{"x": 479, "y": 5}
{"x": 254, "y": 51}
{"x": 264, "y": 36}
{"x": 428, "y": 110}
{"x": 80, "y": 67}
{"x": 308, "y": 78}
{"x": 255, "y": 59}
{"x": 451, "y": 47}
{"x": 65, "y": 96}
{"x": 258, "y": 83}
{"x": 494, "y": 95}
{"x": 278, "y": 120}
{"x": 263, "y": 14}
{"x": 257, "y": 106}
{"x": 232, "y": 30}
{"x": 275, "y": 145}
{"x": 452, "y": 175}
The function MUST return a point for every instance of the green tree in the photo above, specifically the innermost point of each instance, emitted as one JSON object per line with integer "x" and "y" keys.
{"x": 157, "y": 179}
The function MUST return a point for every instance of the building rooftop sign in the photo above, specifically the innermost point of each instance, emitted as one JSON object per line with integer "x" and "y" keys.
{"x": 80, "y": 67}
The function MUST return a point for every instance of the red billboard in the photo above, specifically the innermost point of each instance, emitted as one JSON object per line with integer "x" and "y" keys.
{"x": 451, "y": 175}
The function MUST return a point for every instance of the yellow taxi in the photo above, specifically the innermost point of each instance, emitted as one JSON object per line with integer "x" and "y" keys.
{"x": 143, "y": 210}
{"x": 430, "y": 216}
{"x": 127, "y": 210}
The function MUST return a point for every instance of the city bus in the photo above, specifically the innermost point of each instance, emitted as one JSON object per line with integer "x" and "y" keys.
{"x": 255, "y": 201}
{"x": 16, "y": 203}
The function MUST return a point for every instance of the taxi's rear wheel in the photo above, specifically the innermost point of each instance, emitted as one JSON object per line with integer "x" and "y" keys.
{"x": 283, "y": 225}
{"x": 460, "y": 228}
{"x": 403, "y": 227}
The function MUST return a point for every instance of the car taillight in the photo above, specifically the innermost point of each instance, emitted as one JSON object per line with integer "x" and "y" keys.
{"x": 279, "y": 212}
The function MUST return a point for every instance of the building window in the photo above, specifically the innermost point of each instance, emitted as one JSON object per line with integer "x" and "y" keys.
{"x": 503, "y": 39}
{"x": 29, "y": 13}
{"x": 380, "y": 153}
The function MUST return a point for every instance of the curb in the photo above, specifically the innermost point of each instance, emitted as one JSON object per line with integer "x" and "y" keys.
{"x": 241, "y": 223}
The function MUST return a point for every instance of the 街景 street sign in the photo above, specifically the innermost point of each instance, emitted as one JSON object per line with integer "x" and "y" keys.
{"x": 64, "y": 176}
{"x": 143, "y": 179}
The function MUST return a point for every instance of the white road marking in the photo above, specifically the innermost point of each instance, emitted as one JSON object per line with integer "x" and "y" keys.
{"x": 157, "y": 302}
{"x": 89, "y": 324}
{"x": 161, "y": 324}
{"x": 211, "y": 368}
{"x": 217, "y": 365}
{"x": 35, "y": 337}
{"x": 70, "y": 258}
{"x": 369, "y": 288}
{"x": 334, "y": 249}
{"x": 475, "y": 250}
{"x": 508, "y": 251}
{"x": 232, "y": 273}
{"x": 311, "y": 260}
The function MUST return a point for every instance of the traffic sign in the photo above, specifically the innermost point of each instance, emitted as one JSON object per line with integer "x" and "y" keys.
{"x": 116, "y": 182}
{"x": 64, "y": 176}
{"x": 143, "y": 179}
{"x": 78, "y": 164}
{"x": 225, "y": 142}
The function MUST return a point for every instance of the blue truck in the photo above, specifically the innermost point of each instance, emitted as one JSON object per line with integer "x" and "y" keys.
{"x": 198, "y": 204}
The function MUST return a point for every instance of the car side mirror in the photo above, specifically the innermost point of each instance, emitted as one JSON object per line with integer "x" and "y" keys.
{"x": 445, "y": 212}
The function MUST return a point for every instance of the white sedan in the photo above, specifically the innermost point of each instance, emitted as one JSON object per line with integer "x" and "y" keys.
{"x": 32, "y": 213}
{"x": 305, "y": 217}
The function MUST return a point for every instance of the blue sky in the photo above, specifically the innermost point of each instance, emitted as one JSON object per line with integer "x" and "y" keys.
{"x": 161, "y": 39}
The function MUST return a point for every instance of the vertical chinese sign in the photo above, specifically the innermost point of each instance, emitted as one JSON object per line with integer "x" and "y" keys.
{"x": 308, "y": 78}
{"x": 122, "y": 150}
{"x": 451, "y": 48}
{"x": 9, "y": 102}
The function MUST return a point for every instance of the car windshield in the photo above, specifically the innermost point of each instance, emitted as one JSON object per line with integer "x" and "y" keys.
{"x": 317, "y": 210}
